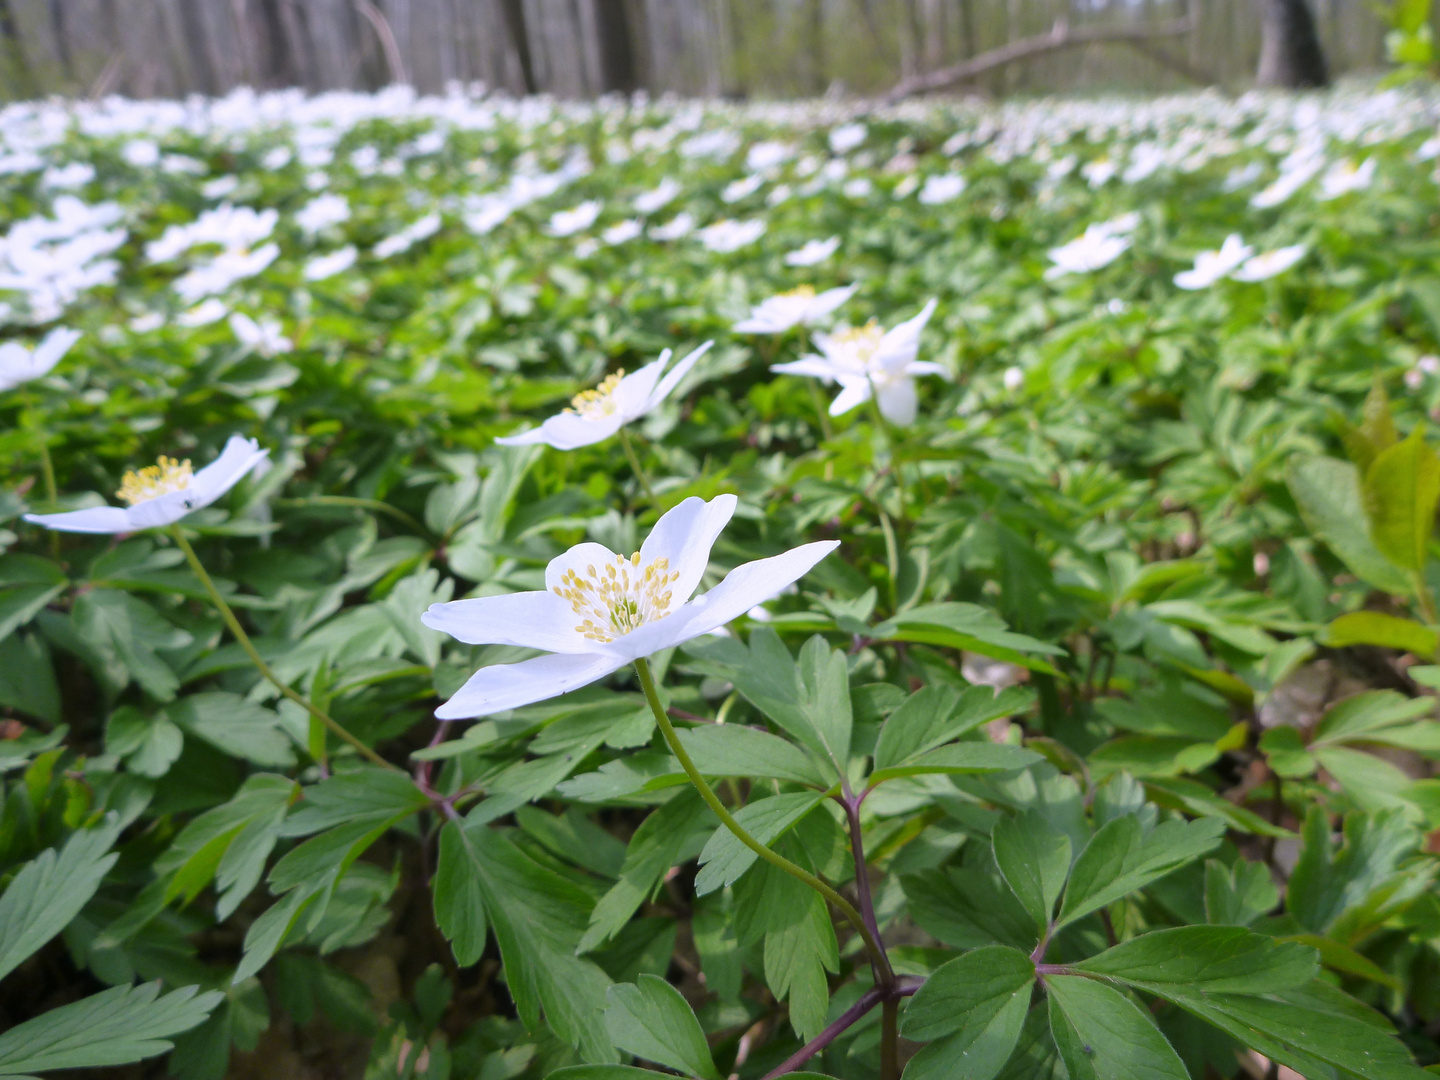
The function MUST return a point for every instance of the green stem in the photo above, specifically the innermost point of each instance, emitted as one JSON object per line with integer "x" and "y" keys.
{"x": 636, "y": 467}
{"x": 652, "y": 695}
{"x": 243, "y": 639}
{"x": 360, "y": 504}
{"x": 1426, "y": 598}
{"x": 892, "y": 443}
{"x": 47, "y": 470}
{"x": 822, "y": 410}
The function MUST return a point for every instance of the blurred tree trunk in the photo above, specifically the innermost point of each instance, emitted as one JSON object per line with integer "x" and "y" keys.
{"x": 514, "y": 12}
{"x": 1290, "y": 53}
{"x": 816, "y": 33}
{"x": 967, "y": 29}
{"x": 618, "y": 71}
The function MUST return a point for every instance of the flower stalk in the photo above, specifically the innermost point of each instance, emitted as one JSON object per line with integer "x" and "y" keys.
{"x": 641, "y": 476}
{"x": 243, "y": 639}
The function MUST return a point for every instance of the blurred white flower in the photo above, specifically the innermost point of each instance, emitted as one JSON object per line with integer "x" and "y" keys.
{"x": 1211, "y": 266}
{"x": 19, "y": 364}
{"x": 76, "y": 174}
{"x": 223, "y": 271}
{"x": 141, "y": 153}
{"x": 144, "y": 324}
{"x": 220, "y": 187}
{"x": 1098, "y": 173}
{"x": 569, "y": 222}
{"x": 621, "y": 232}
{"x": 798, "y": 307}
{"x": 322, "y": 212}
{"x": 941, "y": 189}
{"x": 813, "y": 252}
{"x": 276, "y": 158}
{"x": 1344, "y": 177}
{"x": 778, "y": 194}
{"x": 730, "y": 235}
{"x": 1098, "y": 246}
{"x": 1290, "y": 180}
{"x": 1425, "y": 366}
{"x": 595, "y": 415}
{"x": 681, "y": 225}
{"x": 1270, "y": 263}
{"x": 657, "y": 198}
{"x": 1014, "y": 379}
{"x": 858, "y": 188}
{"x": 263, "y": 336}
{"x": 867, "y": 361}
{"x": 161, "y": 494}
{"x": 742, "y": 188}
{"x": 203, "y": 314}
{"x": 327, "y": 266}
{"x": 407, "y": 237}
{"x": 847, "y": 137}
{"x": 767, "y": 155}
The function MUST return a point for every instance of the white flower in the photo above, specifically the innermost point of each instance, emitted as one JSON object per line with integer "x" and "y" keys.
{"x": 19, "y": 364}
{"x": 276, "y": 158}
{"x": 941, "y": 189}
{"x": 1014, "y": 379}
{"x": 621, "y": 232}
{"x": 847, "y": 137}
{"x": 742, "y": 188}
{"x": 212, "y": 310}
{"x": 407, "y": 237}
{"x": 1426, "y": 365}
{"x": 1344, "y": 177}
{"x": 263, "y": 337}
{"x": 601, "y": 611}
{"x": 141, "y": 153}
{"x": 729, "y": 235}
{"x": 327, "y": 266}
{"x": 867, "y": 361}
{"x": 224, "y": 270}
{"x": 1098, "y": 173}
{"x": 1270, "y": 263}
{"x": 484, "y": 213}
{"x": 858, "y": 188}
{"x": 766, "y": 155}
{"x": 144, "y": 324}
{"x": 569, "y": 222}
{"x": 76, "y": 174}
{"x": 813, "y": 252}
{"x": 597, "y": 414}
{"x": 802, "y": 306}
{"x": 658, "y": 198}
{"x": 1287, "y": 183}
{"x": 161, "y": 494}
{"x": 322, "y": 212}
{"x": 681, "y": 225}
{"x": 1211, "y": 266}
{"x": 1096, "y": 247}
{"x": 220, "y": 187}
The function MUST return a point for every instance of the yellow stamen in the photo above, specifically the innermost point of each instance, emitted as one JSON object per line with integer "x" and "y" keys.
{"x": 598, "y": 402}
{"x": 611, "y": 601}
{"x": 806, "y": 291}
{"x": 142, "y": 485}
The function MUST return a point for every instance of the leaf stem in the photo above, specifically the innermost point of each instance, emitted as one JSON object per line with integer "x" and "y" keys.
{"x": 884, "y": 973}
{"x": 360, "y": 504}
{"x": 1425, "y": 596}
{"x": 652, "y": 695}
{"x": 868, "y": 1001}
{"x": 890, "y": 1039}
{"x": 636, "y": 467}
{"x": 243, "y": 639}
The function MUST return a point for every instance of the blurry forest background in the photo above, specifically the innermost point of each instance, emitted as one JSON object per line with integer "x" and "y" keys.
{"x": 581, "y": 48}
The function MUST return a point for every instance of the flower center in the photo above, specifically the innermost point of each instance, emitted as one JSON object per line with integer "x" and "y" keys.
{"x": 855, "y": 346}
{"x": 801, "y": 291}
{"x": 142, "y": 485}
{"x": 597, "y": 403}
{"x": 619, "y": 596}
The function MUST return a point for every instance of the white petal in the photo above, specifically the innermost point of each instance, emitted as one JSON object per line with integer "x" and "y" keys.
{"x": 569, "y": 431}
{"x": 928, "y": 367}
{"x": 53, "y": 348}
{"x": 535, "y": 620}
{"x": 684, "y": 535}
{"x": 816, "y": 367}
{"x": 743, "y": 588}
{"x": 579, "y": 558}
{"x": 525, "y": 438}
{"x": 898, "y": 401}
{"x": 900, "y": 343}
{"x": 238, "y": 458}
{"x": 828, "y": 301}
{"x": 162, "y": 510}
{"x": 854, "y": 393}
{"x": 674, "y": 375}
{"x": 633, "y": 391}
{"x": 761, "y": 325}
{"x": 97, "y": 519}
{"x": 509, "y": 686}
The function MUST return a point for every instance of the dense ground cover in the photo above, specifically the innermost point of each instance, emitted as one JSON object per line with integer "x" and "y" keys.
{"x": 1118, "y": 679}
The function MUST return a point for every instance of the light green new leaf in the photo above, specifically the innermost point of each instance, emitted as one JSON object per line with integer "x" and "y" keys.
{"x": 937, "y": 714}
{"x": 727, "y": 750}
{"x": 1034, "y": 859}
{"x": 725, "y": 858}
{"x": 1209, "y": 959}
{"x": 1327, "y": 491}
{"x": 650, "y": 1019}
{"x": 1367, "y": 715}
{"x": 1402, "y": 487}
{"x": 1122, "y": 857}
{"x": 50, "y": 890}
{"x": 1103, "y": 1035}
{"x": 1240, "y": 894}
{"x": 114, "y": 1027}
{"x": 459, "y": 905}
{"x": 1387, "y": 631}
{"x": 962, "y": 759}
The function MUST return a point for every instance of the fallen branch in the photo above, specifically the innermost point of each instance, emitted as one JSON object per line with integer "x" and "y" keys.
{"x": 1061, "y": 36}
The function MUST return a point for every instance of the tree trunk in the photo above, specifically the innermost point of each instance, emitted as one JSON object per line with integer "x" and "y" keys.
{"x": 514, "y": 13}
{"x": 617, "y": 47}
{"x": 1290, "y": 53}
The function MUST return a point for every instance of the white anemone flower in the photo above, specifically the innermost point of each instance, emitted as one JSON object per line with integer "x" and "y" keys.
{"x": 941, "y": 188}
{"x": 322, "y": 267}
{"x": 729, "y": 235}
{"x": 681, "y": 225}
{"x": 870, "y": 362}
{"x": 162, "y": 494}
{"x": 263, "y": 336}
{"x": 595, "y": 415}
{"x": 802, "y": 306}
{"x": 569, "y": 222}
{"x": 622, "y": 232}
{"x": 1211, "y": 266}
{"x": 1269, "y": 263}
{"x": 601, "y": 611}
{"x": 1098, "y": 246}
{"x": 847, "y": 137}
{"x": 657, "y": 198}
{"x": 813, "y": 252}
{"x": 19, "y": 364}
{"x": 1344, "y": 177}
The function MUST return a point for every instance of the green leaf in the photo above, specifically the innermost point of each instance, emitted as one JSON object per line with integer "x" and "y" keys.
{"x": 1326, "y": 883}
{"x": 1239, "y": 894}
{"x": 969, "y": 627}
{"x": 966, "y": 758}
{"x": 50, "y": 890}
{"x": 459, "y": 904}
{"x": 240, "y": 728}
{"x": 365, "y": 791}
{"x": 1209, "y": 959}
{"x": 974, "y": 1008}
{"x": 601, "y": 1072}
{"x": 728, "y": 750}
{"x": 126, "y": 627}
{"x": 1285, "y": 752}
{"x": 1122, "y": 857}
{"x": 796, "y": 959}
{"x": 1102, "y": 1034}
{"x": 938, "y": 714}
{"x": 149, "y": 744}
{"x": 538, "y": 918}
{"x": 1366, "y": 715}
{"x": 1034, "y": 859}
{"x": 724, "y": 858}
{"x": 1402, "y": 487}
{"x": 651, "y": 1020}
{"x": 27, "y": 677}
{"x": 1328, "y": 493}
{"x": 114, "y": 1027}
{"x": 825, "y": 683}
{"x": 1386, "y": 631}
